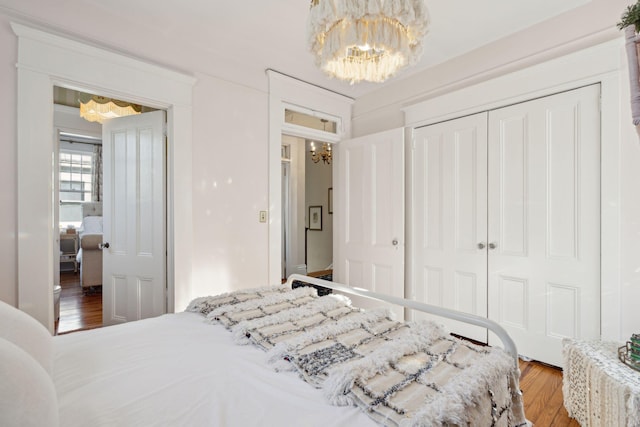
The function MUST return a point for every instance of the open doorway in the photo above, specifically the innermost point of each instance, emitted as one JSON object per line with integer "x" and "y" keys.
{"x": 79, "y": 196}
{"x": 307, "y": 209}
{"x": 79, "y": 200}
{"x": 318, "y": 208}
{"x": 82, "y": 66}
{"x": 307, "y": 194}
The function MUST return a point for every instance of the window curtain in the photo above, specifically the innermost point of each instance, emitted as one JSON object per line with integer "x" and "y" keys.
{"x": 96, "y": 182}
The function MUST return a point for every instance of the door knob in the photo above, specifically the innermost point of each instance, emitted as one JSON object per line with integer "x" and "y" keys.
{"x": 103, "y": 245}
{"x": 394, "y": 242}
{"x": 492, "y": 246}
{"x": 481, "y": 245}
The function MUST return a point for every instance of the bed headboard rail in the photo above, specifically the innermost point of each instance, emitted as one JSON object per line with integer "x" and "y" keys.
{"x": 509, "y": 344}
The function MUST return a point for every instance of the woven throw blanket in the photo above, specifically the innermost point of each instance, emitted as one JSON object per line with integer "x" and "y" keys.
{"x": 426, "y": 378}
{"x": 205, "y": 305}
{"x": 350, "y": 337}
{"x": 269, "y": 330}
{"x": 401, "y": 374}
{"x": 598, "y": 389}
{"x": 276, "y": 302}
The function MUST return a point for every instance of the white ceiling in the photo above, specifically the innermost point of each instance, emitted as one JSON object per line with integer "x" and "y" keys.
{"x": 237, "y": 40}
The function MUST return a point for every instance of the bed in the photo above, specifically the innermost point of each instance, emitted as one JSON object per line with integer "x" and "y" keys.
{"x": 264, "y": 356}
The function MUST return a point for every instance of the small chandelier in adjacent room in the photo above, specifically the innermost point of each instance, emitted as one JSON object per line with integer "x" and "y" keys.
{"x": 324, "y": 154}
{"x": 96, "y": 108}
{"x": 366, "y": 40}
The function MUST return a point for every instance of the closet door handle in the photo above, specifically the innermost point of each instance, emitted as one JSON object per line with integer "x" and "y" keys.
{"x": 103, "y": 246}
{"x": 481, "y": 245}
{"x": 492, "y": 246}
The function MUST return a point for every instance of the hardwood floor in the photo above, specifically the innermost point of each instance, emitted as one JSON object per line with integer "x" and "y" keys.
{"x": 541, "y": 384}
{"x": 77, "y": 310}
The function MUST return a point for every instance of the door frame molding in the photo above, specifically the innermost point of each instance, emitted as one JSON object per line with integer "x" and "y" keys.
{"x": 45, "y": 60}
{"x": 288, "y": 92}
{"x": 601, "y": 64}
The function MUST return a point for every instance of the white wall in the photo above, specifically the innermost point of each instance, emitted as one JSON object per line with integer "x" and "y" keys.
{"x": 229, "y": 170}
{"x": 8, "y": 165}
{"x": 584, "y": 26}
{"x": 230, "y": 164}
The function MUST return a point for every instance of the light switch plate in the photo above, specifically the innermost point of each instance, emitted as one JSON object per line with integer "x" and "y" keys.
{"x": 263, "y": 216}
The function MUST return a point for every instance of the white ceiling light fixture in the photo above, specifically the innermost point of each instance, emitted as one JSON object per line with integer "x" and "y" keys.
{"x": 366, "y": 40}
{"x": 96, "y": 108}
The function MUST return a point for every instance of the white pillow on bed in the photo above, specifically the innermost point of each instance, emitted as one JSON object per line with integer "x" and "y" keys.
{"x": 27, "y": 333}
{"x": 27, "y": 394}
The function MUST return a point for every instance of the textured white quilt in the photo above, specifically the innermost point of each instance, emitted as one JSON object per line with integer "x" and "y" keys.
{"x": 400, "y": 374}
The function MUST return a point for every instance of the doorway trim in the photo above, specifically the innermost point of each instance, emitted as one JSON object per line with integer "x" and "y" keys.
{"x": 288, "y": 92}
{"x": 46, "y": 60}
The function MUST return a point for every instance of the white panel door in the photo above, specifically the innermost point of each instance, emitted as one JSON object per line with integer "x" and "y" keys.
{"x": 544, "y": 221}
{"x": 449, "y": 194}
{"x": 134, "y": 263}
{"x": 370, "y": 213}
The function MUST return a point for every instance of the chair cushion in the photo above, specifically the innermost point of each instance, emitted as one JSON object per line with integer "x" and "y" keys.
{"x": 90, "y": 241}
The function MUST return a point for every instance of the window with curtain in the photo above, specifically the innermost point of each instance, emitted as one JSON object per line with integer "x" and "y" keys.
{"x": 76, "y": 183}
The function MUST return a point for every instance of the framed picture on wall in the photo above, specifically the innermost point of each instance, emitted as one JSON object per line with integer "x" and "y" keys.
{"x": 331, "y": 200}
{"x": 315, "y": 217}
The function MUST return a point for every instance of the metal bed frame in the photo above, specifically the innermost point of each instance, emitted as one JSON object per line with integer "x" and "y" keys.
{"x": 509, "y": 344}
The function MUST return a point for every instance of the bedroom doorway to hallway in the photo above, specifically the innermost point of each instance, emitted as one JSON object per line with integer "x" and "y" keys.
{"x": 307, "y": 143}
{"x": 307, "y": 207}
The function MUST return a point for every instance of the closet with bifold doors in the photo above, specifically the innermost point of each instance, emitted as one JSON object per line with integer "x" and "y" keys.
{"x": 505, "y": 219}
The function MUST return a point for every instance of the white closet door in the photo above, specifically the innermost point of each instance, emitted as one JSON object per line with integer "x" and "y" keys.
{"x": 544, "y": 221}
{"x": 450, "y": 219}
{"x": 369, "y": 244}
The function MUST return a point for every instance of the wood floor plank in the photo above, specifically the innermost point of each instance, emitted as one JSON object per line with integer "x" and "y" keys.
{"x": 541, "y": 386}
{"x": 78, "y": 311}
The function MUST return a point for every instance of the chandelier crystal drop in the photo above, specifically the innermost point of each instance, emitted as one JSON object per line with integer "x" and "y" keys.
{"x": 367, "y": 40}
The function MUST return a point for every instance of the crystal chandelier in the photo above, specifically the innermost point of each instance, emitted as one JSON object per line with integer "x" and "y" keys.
{"x": 324, "y": 154}
{"x": 366, "y": 40}
{"x": 96, "y": 108}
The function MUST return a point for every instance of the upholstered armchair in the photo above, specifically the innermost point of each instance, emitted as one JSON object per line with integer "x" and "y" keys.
{"x": 91, "y": 261}
{"x": 90, "y": 254}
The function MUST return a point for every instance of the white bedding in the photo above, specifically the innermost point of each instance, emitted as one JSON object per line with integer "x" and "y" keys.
{"x": 206, "y": 380}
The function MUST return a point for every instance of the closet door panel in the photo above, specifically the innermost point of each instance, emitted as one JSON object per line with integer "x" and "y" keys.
{"x": 466, "y": 192}
{"x": 563, "y": 179}
{"x": 544, "y": 221}
{"x": 510, "y": 180}
{"x": 450, "y": 207}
